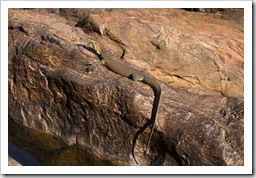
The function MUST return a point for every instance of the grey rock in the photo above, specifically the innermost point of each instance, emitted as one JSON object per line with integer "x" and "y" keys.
{"x": 13, "y": 162}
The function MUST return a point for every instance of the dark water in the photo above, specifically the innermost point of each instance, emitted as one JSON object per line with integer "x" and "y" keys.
{"x": 46, "y": 149}
{"x": 21, "y": 155}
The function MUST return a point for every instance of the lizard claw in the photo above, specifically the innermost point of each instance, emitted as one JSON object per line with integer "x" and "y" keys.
{"x": 89, "y": 67}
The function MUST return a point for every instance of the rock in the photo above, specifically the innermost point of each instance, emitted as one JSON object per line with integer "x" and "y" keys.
{"x": 200, "y": 121}
{"x": 205, "y": 10}
{"x": 12, "y": 162}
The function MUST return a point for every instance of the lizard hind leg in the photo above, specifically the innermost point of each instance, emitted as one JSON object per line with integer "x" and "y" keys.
{"x": 136, "y": 77}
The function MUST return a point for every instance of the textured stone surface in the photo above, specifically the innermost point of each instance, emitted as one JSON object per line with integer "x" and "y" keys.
{"x": 197, "y": 58}
{"x": 12, "y": 162}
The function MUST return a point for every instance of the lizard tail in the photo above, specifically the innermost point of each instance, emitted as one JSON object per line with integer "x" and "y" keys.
{"x": 155, "y": 108}
{"x": 136, "y": 137}
{"x": 157, "y": 92}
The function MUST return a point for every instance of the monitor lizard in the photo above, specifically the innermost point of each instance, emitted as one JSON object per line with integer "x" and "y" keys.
{"x": 135, "y": 75}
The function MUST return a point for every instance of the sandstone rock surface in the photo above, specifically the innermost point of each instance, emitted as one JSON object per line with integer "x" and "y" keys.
{"x": 197, "y": 58}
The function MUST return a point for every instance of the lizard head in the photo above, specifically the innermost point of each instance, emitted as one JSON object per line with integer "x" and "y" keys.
{"x": 95, "y": 46}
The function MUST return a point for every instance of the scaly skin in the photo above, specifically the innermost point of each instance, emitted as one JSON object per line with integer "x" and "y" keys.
{"x": 135, "y": 75}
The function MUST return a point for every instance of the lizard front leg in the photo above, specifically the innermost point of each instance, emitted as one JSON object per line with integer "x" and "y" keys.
{"x": 90, "y": 67}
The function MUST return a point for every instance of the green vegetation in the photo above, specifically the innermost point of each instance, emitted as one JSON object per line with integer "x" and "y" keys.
{"x": 49, "y": 150}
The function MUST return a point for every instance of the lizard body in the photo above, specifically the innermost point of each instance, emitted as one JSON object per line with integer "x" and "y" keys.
{"x": 135, "y": 75}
